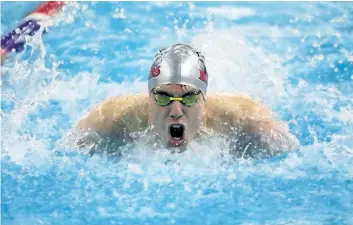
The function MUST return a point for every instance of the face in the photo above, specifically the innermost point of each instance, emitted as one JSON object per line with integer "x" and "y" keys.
{"x": 176, "y": 124}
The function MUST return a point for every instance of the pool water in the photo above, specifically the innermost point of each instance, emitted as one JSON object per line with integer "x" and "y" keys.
{"x": 295, "y": 57}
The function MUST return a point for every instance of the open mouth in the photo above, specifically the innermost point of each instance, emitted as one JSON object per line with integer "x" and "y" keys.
{"x": 176, "y": 134}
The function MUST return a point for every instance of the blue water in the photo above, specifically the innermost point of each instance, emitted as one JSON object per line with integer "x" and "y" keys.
{"x": 295, "y": 57}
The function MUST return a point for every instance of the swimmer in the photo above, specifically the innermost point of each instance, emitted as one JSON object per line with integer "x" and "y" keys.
{"x": 177, "y": 111}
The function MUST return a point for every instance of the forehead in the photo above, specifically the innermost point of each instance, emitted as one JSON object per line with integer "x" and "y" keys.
{"x": 175, "y": 88}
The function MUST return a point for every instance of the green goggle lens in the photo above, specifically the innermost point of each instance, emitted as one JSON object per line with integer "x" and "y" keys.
{"x": 162, "y": 100}
{"x": 188, "y": 100}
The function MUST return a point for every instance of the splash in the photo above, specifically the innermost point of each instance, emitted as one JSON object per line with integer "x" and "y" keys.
{"x": 48, "y": 87}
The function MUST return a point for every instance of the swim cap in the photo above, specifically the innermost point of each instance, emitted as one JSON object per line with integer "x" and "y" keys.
{"x": 179, "y": 64}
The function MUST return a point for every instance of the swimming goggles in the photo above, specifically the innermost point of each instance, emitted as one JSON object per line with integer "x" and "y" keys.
{"x": 164, "y": 99}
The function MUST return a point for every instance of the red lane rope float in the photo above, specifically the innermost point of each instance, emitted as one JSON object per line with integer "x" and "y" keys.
{"x": 14, "y": 41}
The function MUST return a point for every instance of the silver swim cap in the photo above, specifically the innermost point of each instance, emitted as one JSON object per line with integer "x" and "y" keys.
{"x": 179, "y": 64}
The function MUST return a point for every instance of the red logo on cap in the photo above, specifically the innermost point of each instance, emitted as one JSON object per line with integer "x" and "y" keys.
{"x": 155, "y": 71}
{"x": 203, "y": 76}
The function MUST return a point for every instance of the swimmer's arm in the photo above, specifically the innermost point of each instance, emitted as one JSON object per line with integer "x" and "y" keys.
{"x": 113, "y": 119}
{"x": 253, "y": 125}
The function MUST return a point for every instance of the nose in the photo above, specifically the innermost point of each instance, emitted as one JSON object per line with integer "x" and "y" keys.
{"x": 176, "y": 110}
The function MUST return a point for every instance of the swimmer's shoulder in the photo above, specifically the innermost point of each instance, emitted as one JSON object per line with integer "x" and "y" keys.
{"x": 238, "y": 102}
{"x": 231, "y": 110}
{"x": 119, "y": 112}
